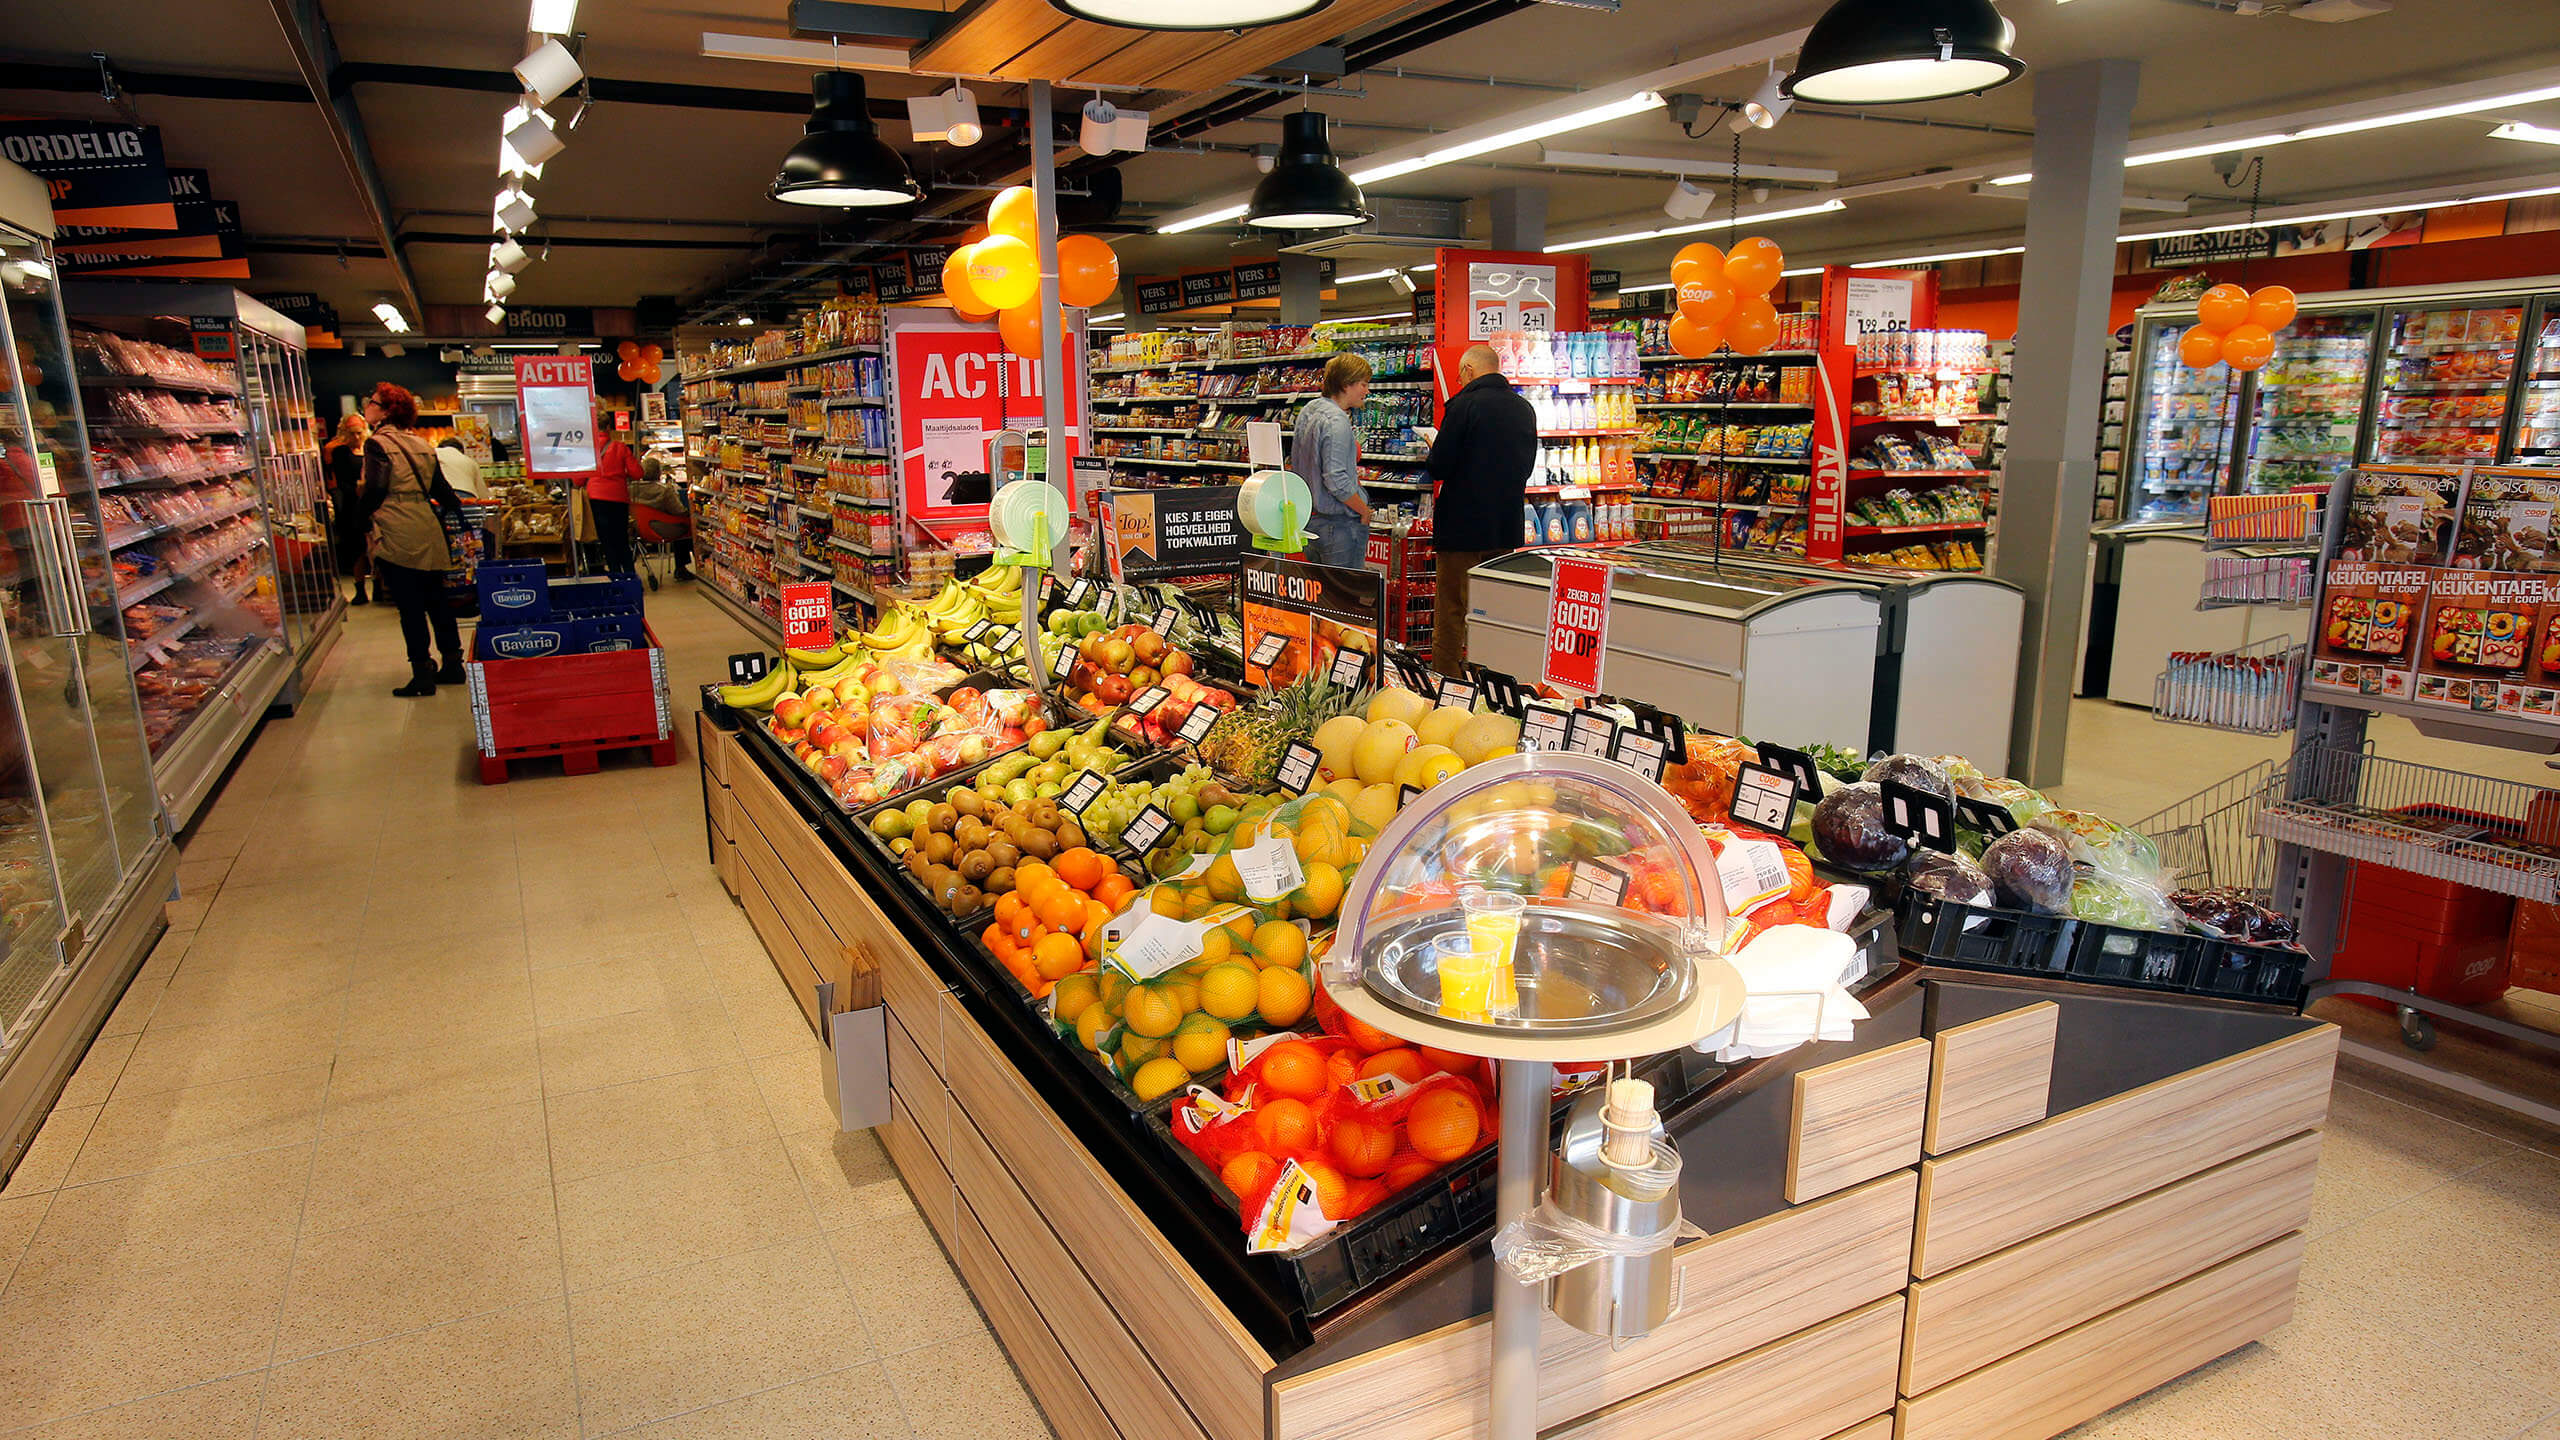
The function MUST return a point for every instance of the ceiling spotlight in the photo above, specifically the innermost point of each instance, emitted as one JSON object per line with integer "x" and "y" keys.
{"x": 842, "y": 160}
{"x": 1095, "y": 134}
{"x": 1891, "y": 52}
{"x": 515, "y": 209}
{"x": 512, "y": 165}
{"x": 1265, "y": 156}
{"x": 495, "y": 314}
{"x": 553, "y": 17}
{"x": 1306, "y": 190}
{"x": 530, "y": 135}
{"x": 1688, "y": 201}
{"x": 548, "y": 71}
{"x": 501, "y": 285}
{"x": 1765, "y": 106}
{"x": 509, "y": 256}
{"x": 394, "y": 352}
{"x": 1400, "y": 282}
{"x": 746, "y": 319}
{"x": 951, "y": 116}
{"x": 1760, "y": 194}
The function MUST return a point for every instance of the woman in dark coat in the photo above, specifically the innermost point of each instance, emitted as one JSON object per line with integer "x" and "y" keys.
{"x": 343, "y": 461}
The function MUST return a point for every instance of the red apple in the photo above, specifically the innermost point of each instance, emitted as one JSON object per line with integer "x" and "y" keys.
{"x": 792, "y": 711}
{"x": 1176, "y": 663}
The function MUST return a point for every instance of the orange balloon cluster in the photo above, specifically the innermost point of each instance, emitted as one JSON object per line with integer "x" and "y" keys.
{"x": 1724, "y": 297}
{"x": 996, "y": 271}
{"x": 2236, "y": 327}
{"x": 641, "y": 364}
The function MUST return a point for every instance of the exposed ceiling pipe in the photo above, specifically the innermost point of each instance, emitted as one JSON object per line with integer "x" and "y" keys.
{"x": 315, "y": 53}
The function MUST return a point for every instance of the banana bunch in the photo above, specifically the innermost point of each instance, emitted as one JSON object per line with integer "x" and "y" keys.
{"x": 900, "y": 634}
{"x": 779, "y": 681}
{"x": 995, "y": 595}
{"x": 814, "y": 659}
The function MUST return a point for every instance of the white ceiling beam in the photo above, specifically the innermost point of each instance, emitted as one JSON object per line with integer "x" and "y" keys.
{"x": 815, "y": 54}
{"x": 1675, "y": 165}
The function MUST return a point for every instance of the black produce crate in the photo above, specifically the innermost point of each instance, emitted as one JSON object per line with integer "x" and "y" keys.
{"x": 2273, "y": 974}
{"x": 2142, "y": 959}
{"x": 721, "y": 716}
{"x": 1978, "y": 937}
{"x": 2019, "y": 942}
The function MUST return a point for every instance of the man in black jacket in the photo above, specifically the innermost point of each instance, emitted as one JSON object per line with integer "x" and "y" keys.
{"x": 1480, "y": 466}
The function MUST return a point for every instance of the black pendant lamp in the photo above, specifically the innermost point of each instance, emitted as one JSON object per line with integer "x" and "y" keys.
{"x": 842, "y": 160}
{"x": 1891, "y": 52}
{"x": 1306, "y": 189}
{"x": 1189, "y": 14}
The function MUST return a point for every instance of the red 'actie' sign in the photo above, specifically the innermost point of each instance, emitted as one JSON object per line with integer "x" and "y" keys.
{"x": 808, "y": 615}
{"x": 1577, "y": 625}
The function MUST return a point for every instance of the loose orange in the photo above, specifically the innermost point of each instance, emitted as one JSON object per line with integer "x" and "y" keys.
{"x": 1030, "y": 873}
{"x": 1060, "y": 908}
{"x": 1009, "y": 908}
{"x": 1404, "y": 1064}
{"x": 1057, "y": 956}
{"x": 1443, "y": 1125}
{"x": 1249, "y": 1173}
{"x": 1362, "y": 1148}
{"x": 1080, "y": 867}
{"x": 1114, "y": 891}
{"x": 1288, "y": 1127}
{"x": 1294, "y": 1068}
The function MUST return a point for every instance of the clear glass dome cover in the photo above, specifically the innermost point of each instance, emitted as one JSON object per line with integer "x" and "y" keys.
{"x": 1615, "y": 886}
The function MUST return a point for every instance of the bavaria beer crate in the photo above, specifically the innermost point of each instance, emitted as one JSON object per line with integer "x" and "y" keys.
{"x": 572, "y": 706}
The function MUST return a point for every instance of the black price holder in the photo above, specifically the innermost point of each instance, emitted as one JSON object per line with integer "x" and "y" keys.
{"x": 1298, "y": 767}
{"x": 977, "y": 631}
{"x": 1350, "y": 667}
{"x": 1987, "y": 816}
{"x": 1461, "y": 693}
{"x": 1197, "y": 725}
{"x": 748, "y": 667}
{"x": 1920, "y": 817}
{"x": 1544, "y": 725}
{"x": 1269, "y": 649}
{"x": 1163, "y": 623}
{"x": 1416, "y": 675}
{"x": 1591, "y": 733}
{"x": 1674, "y": 734}
{"x": 1599, "y": 882}
{"x": 1144, "y": 703}
{"x": 1795, "y": 765}
{"x": 1007, "y": 640}
{"x": 1087, "y": 788}
{"x": 1145, "y": 828}
{"x": 1499, "y": 690}
{"x": 1642, "y": 751}
{"x": 1080, "y": 594}
{"x": 1764, "y": 797}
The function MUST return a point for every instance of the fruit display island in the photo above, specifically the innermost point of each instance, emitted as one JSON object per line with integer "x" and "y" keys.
{"x": 2046, "y": 1143}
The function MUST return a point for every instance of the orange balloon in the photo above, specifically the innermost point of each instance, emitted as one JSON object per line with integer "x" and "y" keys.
{"x": 2271, "y": 306}
{"x": 2200, "y": 349}
{"x": 1754, "y": 326}
{"x": 1700, "y": 261}
{"x": 955, "y": 287}
{"x": 1694, "y": 340}
{"x": 1088, "y": 271}
{"x": 1754, "y": 266}
{"x": 2247, "y": 347}
{"x": 651, "y": 371}
{"x": 1014, "y": 212}
{"x": 1021, "y": 327}
{"x": 2222, "y": 307}
{"x": 1003, "y": 272}
{"x": 1706, "y": 302}
{"x": 652, "y": 352}
{"x": 627, "y": 351}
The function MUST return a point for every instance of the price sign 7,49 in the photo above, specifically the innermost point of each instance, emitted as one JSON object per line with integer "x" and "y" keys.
{"x": 558, "y": 396}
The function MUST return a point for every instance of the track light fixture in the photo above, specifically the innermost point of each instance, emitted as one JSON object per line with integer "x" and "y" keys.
{"x": 530, "y": 135}
{"x": 1095, "y": 133}
{"x": 547, "y": 71}
{"x": 1687, "y": 202}
{"x": 951, "y": 117}
{"x": 509, "y": 256}
{"x": 514, "y": 210}
{"x": 495, "y": 314}
{"x": 1400, "y": 282}
{"x": 1765, "y": 108}
{"x": 501, "y": 285}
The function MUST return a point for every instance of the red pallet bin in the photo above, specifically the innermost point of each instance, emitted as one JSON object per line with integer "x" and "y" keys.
{"x": 2415, "y": 932}
{"x": 572, "y": 706}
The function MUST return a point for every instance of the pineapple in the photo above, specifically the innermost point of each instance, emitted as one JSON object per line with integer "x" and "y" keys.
{"x": 1247, "y": 745}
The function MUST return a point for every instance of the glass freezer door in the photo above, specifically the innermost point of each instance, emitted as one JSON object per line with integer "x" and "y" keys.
{"x": 2537, "y": 429}
{"x": 2307, "y": 407}
{"x": 2446, "y": 373}
{"x": 2182, "y": 427}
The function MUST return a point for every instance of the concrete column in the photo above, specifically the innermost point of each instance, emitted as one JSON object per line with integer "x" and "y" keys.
{"x": 2082, "y": 114}
{"x": 1520, "y": 217}
{"x": 1301, "y": 290}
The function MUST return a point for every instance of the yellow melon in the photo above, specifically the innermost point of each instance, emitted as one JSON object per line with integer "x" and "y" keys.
{"x": 1380, "y": 748}
{"x": 1333, "y": 741}
{"x": 1398, "y": 703}
{"x": 1441, "y": 726}
{"x": 1376, "y": 805}
{"x": 1481, "y": 735}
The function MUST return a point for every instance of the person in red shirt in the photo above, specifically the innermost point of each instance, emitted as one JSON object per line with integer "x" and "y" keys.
{"x": 609, "y": 494}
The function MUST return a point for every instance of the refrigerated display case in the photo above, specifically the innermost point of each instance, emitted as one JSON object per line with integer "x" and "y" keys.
{"x": 85, "y": 858}
{"x": 2447, "y": 371}
{"x": 2537, "y": 428}
{"x": 2306, "y": 405}
{"x": 2182, "y": 433}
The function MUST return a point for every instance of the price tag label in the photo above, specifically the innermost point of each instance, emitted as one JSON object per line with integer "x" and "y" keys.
{"x": 1763, "y": 798}
{"x": 1642, "y": 751}
{"x": 1144, "y": 703}
{"x": 1795, "y": 765}
{"x": 1991, "y": 819}
{"x": 1197, "y": 725}
{"x": 1163, "y": 623}
{"x": 748, "y": 667}
{"x": 1590, "y": 733}
{"x": 1599, "y": 882}
{"x": 1007, "y": 640}
{"x": 1079, "y": 594}
{"x": 977, "y": 631}
{"x": 1268, "y": 649}
{"x": 1461, "y": 693}
{"x": 1048, "y": 591}
{"x": 1350, "y": 667}
{"x": 1088, "y": 787}
{"x": 1920, "y": 817}
{"x": 1544, "y": 725}
{"x": 1298, "y": 767}
{"x": 1145, "y": 828}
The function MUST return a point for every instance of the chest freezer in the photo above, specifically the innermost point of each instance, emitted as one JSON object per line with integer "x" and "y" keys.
{"x": 1749, "y": 653}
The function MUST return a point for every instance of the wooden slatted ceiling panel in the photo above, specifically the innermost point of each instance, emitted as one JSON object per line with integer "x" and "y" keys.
{"x": 1251, "y": 51}
{"x": 1153, "y": 53}
{"x": 1033, "y": 40}
{"x": 1073, "y": 49}
{"x": 987, "y": 36}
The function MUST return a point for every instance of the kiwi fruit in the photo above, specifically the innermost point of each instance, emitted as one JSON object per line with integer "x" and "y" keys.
{"x": 1039, "y": 844}
{"x": 968, "y": 802}
{"x": 971, "y": 833}
{"x": 1069, "y": 835}
{"x": 967, "y": 898}
{"x": 941, "y": 818}
{"x": 938, "y": 848}
{"x": 918, "y": 865}
{"x": 1004, "y": 853}
{"x": 999, "y": 881}
{"x": 975, "y": 866}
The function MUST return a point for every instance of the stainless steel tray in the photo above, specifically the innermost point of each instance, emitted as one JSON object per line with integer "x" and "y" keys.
{"x": 1580, "y": 968}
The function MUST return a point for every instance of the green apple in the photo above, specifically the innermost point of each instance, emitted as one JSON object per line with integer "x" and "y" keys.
{"x": 1183, "y": 807}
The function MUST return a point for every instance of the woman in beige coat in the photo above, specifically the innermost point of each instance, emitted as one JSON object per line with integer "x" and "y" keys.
{"x": 403, "y": 491}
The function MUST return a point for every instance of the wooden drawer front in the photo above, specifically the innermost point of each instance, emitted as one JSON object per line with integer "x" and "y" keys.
{"x": 1136, "y": 1398}
{"x": 714, "y": 746}
{"x": 921, "y": 1168}
{"x": 2002, "y": 1191}
{"x": 916, "y": 997}
{"x": 2000, "y": 1304}
{"x": 820, "y": 951}
{"x": 722, "y": 808}
{"x": 919, "y": 1085}
{"x": 726, "y": 864}
{"x": 1210, "y": 1358}
{"x": 1046, "y": 1371}
{"x": 1746, "y": 1287}
{"x": 1856, "y": 1119}
{"x": 1803, "y": 1387}
{"x": 797, "y": 974}
{"x": 2092, "y": 1368}
{"x": 833, "y": 898}
{"x": 1880, "y": 1428}
{"x": 1991, "y": 1077}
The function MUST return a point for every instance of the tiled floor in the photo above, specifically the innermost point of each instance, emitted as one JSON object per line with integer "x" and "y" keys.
{"x": 461, "y": 1112}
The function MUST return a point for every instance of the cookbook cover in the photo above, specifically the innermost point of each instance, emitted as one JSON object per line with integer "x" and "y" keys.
{"x": 2537, "y": 697}
{"x": 2479, "y": 635}
{"x": 2368, "y": 628}
{"x": 2506, "y": 522}
{"x": 2401, "y": 516}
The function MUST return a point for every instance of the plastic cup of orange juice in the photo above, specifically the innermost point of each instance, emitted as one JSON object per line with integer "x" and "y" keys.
{"x": 1493, "y": 934}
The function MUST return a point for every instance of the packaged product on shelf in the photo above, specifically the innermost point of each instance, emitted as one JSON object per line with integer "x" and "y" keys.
{"x": 2401, "y": 517}
{"x": 2368, "y": 625}
{"x": 2506, "y": 522}
{"x": 2479, "y": 629}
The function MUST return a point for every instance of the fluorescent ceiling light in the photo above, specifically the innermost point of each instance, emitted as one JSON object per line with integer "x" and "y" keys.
{"x": 1806, "y": 270}
{"x": 1910, "y": 260}
{"x": 1671, "y": 165}
{"x": 1619, "y": 109}
{"x": 1755, "y": 217}
{"x": 2431, "y": 112}
{"x": 553, "y": 17}
{"x": 2380, "y": 207}
{"x": 390, "y": 316}
{"x": 1642, "y": 289}
{"x": 1206, "y": 217}
{"x": 1381, "y": 315}
{"x": 2519, "y": 130}
{"x": 1114, "y": 315}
